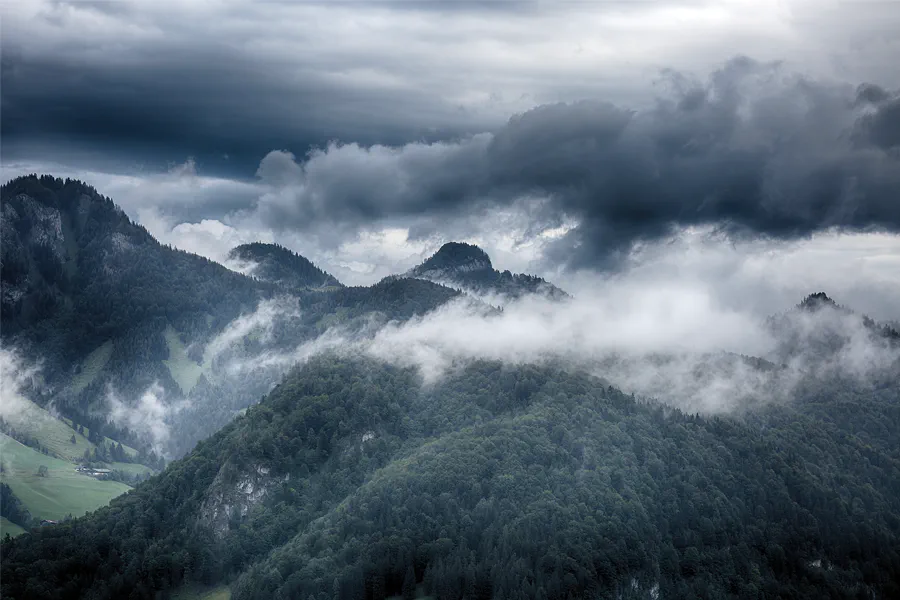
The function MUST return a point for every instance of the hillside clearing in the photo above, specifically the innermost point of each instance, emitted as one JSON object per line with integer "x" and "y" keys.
{"x": 61, "y": 493}
{"x": 55, "y": 434}
{"x": 184, "y": 371}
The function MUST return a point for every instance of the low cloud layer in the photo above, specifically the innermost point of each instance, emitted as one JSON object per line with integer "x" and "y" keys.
{"x": 676, "y": 341}
{"x": 752, "y": 151}
{"x": 147, "y": 415}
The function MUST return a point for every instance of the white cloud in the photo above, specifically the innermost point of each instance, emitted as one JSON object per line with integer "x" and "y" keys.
{"x": 18, "y": 376}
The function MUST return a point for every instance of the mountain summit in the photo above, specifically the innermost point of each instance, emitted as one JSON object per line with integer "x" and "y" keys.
{"x": 454, "y": 258}
{"x": 469, "y": 267}
{"x": 276, "y": 264}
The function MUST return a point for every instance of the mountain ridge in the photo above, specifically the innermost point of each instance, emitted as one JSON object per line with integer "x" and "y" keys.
{"x": 469, "y": 267}
{"x": 276, "y": 264}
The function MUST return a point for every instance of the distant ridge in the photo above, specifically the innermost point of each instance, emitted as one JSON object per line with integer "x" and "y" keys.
{"x": 279, "y": 265}
{"x": 469, "y": 267}
{"x": 835, "y": 328}
{"x": 818, "y": 301}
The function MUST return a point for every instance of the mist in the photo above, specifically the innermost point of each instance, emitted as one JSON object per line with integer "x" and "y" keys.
{"x": 259, "y": 324}
{"x": 678, "y": 340}
{"x": 148, "y": 415}
{"x": 17, "y": 376}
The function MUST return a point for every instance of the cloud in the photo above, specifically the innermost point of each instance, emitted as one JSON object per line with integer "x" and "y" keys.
{"x": 18, "y": 378}
{"x": 157, "y": 81}
{"x": 260, "y": 324}
{"x": 147, "y": 416}
{"x": 754, "y": 151}
{"x": 676, "y": 338}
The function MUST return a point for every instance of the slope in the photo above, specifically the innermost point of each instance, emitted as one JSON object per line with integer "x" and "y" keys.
{"x": 89, "y": 294}
{"x": 107, "y": 311}
{"x": 276, "y": 264}
{"x": 496, "y": 481}
{"x": 61, "y": 492}
{"x": 9, "y": 528}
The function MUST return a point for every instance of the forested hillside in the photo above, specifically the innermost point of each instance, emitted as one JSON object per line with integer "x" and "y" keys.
{"x": 276, "y": 264}
{"x": 364, "y": 475}
{"x": 469, "y": 267}
{"x": 103, "y": 308}
{"x": 88, "y": 294}
{"x": 77, "y": 272}
{"x": 353, "y": 480}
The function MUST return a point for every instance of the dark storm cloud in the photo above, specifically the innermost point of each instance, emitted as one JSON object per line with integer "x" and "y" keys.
{"x": 752, "y": 151}
{"x": 209, "y": 103}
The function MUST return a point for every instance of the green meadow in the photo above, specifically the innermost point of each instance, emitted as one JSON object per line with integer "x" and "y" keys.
{"x": 92, "y": 366}
{"x": 184, "y": 371}
{"x": 221, "y": 592}
{"x": 62, "y": 492}
{"x": 53, "y": 433}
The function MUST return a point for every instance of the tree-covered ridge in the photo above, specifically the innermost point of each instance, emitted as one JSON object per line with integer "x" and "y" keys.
{"x": 100, "y": 304}
{"x": 469, "y": 267}
{"x": 820, "y": 300}
{"x": 457, "y": 255}
{"x": 498, "y": 482}
{"x": 12, "y": 508}
{"x": 277, "y": 264}
{"x": 819, "y": 328}
{"x": 77, "y": 271}
{"x": 78, "y": 275}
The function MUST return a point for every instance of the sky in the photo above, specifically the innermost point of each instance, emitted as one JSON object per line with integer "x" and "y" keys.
{"x": 752, "y": 146}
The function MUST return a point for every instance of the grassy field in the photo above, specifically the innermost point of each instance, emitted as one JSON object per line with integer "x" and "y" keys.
{"x": 184, "y": 371}
{"x": 53, "y": 433}
{"x": 9, "y": 527}
{"x": 92, "y": 366}
{"x": 62, "y": 492}
{"x": 221, "y": 592}
{"x": 128, "y": 449}
{"x": 130, "y": 468}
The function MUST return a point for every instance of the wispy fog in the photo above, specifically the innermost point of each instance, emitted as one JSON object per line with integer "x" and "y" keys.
{"x": 259, "y": 324}
{"x": 17, "y": 375}
{"x": 670, "y": 337}
{"x": 678, "y": 342}
{"x": 146, "y": 415}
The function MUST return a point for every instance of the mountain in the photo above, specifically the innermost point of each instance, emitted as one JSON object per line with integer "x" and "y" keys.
{"x": 818, "y": 329}
{"x": 469, "y": 267}
{"x": 77, "y": 271}
{"x": 95, "y": 300}
{"x": 276, "y": 264}
{"x": 352, "y": 479}
{"x": 105, "y": 310}
{"x": 315, "y": 462}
